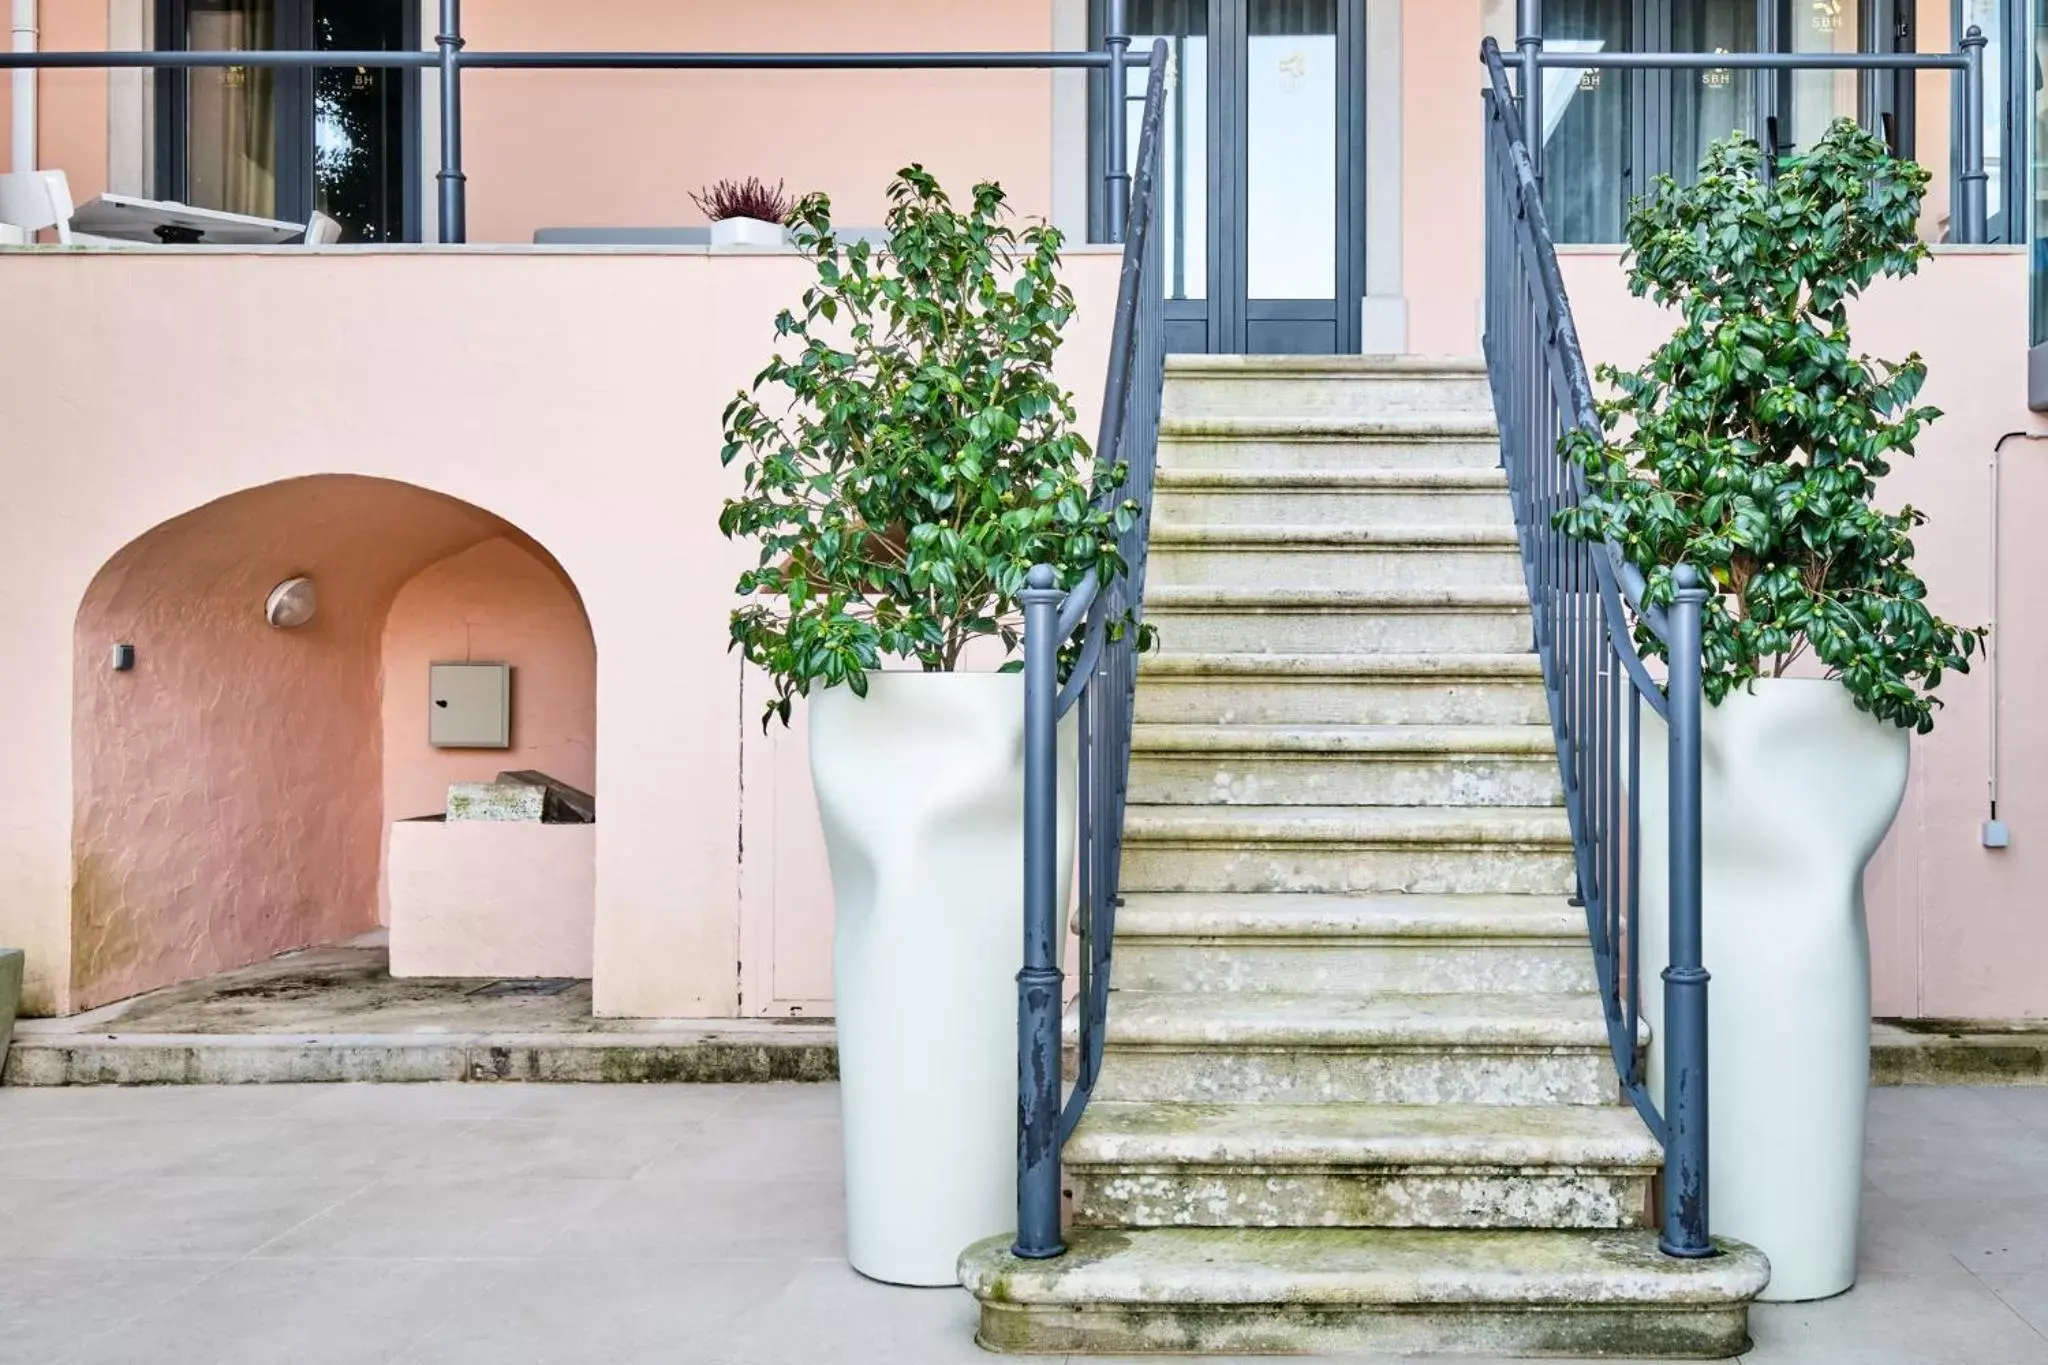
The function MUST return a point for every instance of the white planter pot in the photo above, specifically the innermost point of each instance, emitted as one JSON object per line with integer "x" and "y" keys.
{"x": 921, "y": 794}
{"x": 748, "y": 232}
{"x": 1798, "y": 789}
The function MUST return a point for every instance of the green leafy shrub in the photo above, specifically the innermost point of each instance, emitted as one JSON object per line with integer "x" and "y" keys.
{"x": 1751, "y": 443}
{"x": 909, "y": 455}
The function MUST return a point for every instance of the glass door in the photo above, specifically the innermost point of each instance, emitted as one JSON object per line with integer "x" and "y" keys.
{"x": 282, "y": 144}
{"x": 1263, "y": 200}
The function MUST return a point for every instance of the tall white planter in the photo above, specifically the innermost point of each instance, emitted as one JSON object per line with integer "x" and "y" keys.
{"x": 1798, "y": 788}
{"x": 921, "y": 794}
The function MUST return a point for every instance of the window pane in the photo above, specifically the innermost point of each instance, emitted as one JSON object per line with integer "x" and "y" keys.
{"x": 359, "y": 122}
{"x": 231, "y": 124}
{"x": 2038, "y": 180}
{"x": 1185, "y": 155}
{"x": 1821, "y": 97}
{"x": 1709, "y": 105}
{"x": 1588, "y": 122}
{"x": 1291, "y": 150}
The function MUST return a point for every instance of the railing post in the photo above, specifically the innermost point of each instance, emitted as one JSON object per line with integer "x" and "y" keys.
{"x": 1973, "y": 188}
{"x": 451, "y": 181}
{"x": 1116, "y": 169}
{"x": 1040, "y": 983}
{"x": 1685, "y": 979}
{"x": 1529, "y": 43}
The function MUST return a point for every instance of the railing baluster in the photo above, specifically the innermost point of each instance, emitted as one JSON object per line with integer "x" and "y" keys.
{"x": 1594, "y": 680}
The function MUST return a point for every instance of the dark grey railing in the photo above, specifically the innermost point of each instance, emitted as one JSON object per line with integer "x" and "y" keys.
{"x": 1586, "y": 600}
{"x": 450, "y": 58}
{"x": 1102, "y": 684}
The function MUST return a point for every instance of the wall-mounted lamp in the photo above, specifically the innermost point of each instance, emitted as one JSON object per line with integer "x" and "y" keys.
{"x": 291, "y": 604}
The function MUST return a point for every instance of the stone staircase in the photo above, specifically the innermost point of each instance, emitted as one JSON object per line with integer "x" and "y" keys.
{"x": 1357, "y": 1094}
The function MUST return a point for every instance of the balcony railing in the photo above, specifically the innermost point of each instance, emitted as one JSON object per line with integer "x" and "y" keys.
{"x": 451, "y": 57}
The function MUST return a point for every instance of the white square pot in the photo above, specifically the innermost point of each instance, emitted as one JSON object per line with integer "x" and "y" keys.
{"x": 748, "y": 232}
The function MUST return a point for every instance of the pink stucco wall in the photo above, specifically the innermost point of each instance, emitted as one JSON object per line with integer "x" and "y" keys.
{"x": 226, "y": 789}
{"x": 1955, "y": 928}
{"x": 574, "y": 396}
{"x": 494, "y": 602}
{"x": 563, "y": 148}
{"x": 477, "y": 898}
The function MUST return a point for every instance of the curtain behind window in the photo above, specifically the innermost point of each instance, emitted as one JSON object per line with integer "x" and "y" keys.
{"x": 231, "y": 126}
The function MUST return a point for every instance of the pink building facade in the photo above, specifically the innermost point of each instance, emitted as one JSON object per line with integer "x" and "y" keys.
{"x": 507, "y": 450}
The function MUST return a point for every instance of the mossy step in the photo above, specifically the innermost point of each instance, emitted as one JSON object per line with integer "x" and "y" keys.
{"x": 1360, "y": 741}
{"x": 1540, "y": 828}
{"x": 1392, "y": 363}
{"x": 1284, "y": 537}
{"x": 1338, "y": 918}
{"x": 1361, "y": 1165}
{"x": 1361, "y": 667}
{"x": 1318, "y": 480}
{"x": 1407, "y": 1047}
{"x": 1357, "y": 1290}
{"x": 1329, "y": 426}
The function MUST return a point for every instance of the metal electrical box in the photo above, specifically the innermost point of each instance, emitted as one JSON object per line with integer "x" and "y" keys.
{"x": 469, "y": 706}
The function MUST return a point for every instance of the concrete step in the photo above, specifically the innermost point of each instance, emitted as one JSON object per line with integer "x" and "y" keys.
{"x": 1462, "y": 1048}
{"x": 1318, "y": 556}
{"x": 1351, "y": 945}
{"x": 1340, "y": 689}
{"x": 1279, "y": 620}
{"x": 1199, "y": 386}
{"x": 1488, "y": 850}
{"x": 1279, "y": 441}
{"x": 1361, "y": 1165}
{"x": 1344, "y": 765}
{"x": 1383, "y": 498}
{"x": 1356, "y": 1291}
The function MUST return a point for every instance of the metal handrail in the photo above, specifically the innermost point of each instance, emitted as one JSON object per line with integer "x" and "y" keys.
{"x": 1103, "y": 688}
{"x": 450, "y": 58}
{"x": 1586, "y": 600}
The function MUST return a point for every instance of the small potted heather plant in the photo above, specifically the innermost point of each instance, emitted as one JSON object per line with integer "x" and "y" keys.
{"x": 748, "y": 212}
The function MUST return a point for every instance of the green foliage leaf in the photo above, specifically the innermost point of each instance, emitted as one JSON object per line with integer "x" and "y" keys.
{"x": 1751, "y": 443}
{"x": 908, "y": 455}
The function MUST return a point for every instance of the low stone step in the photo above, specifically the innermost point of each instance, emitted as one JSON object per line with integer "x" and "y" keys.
{"x": 1351, "y": 945}
{"x": 1341, "y": 689}
{"x": 1344, "y": 765}
{"x": 1319, "y": 556}
{"x": 1361, "y": 1165}
{"x": 1280, "y": 441}
{"x": 1204, "y": 385}
{"x": 1280, "y": 620}
{"x": 1387, "y": 1292}
{"x": 1324, "y": 497}
{"x": 1506, "y": 850}
{"x": 1448, "y": 1048}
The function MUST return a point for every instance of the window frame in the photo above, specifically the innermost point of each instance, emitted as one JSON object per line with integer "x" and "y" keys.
{"x": 295, "y": 86}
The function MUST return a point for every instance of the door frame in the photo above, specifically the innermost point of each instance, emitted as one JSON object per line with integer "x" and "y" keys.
{"x": 295, "y": 192}
{"x": 1226, "y": 313}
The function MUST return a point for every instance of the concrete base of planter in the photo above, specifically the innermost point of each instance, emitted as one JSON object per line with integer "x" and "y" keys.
{"x": 10, "y": 997}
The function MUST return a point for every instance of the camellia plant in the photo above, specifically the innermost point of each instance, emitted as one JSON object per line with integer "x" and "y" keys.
{"x": 1751, "y": 443}
{"x": 908, "y": 454}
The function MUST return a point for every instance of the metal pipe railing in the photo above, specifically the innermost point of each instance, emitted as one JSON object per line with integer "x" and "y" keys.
{"x": 1103, "y": 688}
{"x": 450, "y": 58}
{"x": 1970, "y": 178}
{"x": 1586, "y": 601}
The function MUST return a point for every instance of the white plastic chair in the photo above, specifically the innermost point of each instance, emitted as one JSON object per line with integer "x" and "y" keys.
{"x": 321, "y": 230}
{"x": 33, "y": 200}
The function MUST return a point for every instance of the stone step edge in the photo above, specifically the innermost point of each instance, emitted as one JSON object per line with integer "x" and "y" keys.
{"x": 1176, "y": 597}
{"x": 1171, "y": 480}
{"x": 1544, "y": 828}
{"x": 1523, "y": 668}
{"x": 1282, "y": 1266}
{"x": 1258, "y": 918}
{"x": 1270, "y": 538}
{"x": 1207, "y": 1137}
{"x": 725, "y": 1052}
{"x": 1416, "y": 429}
{"x": 1196, "y": 739}
{"x": 1390, "y": 363}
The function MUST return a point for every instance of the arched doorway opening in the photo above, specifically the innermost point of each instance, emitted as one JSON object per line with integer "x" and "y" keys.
{"x": 234, "y": 781}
